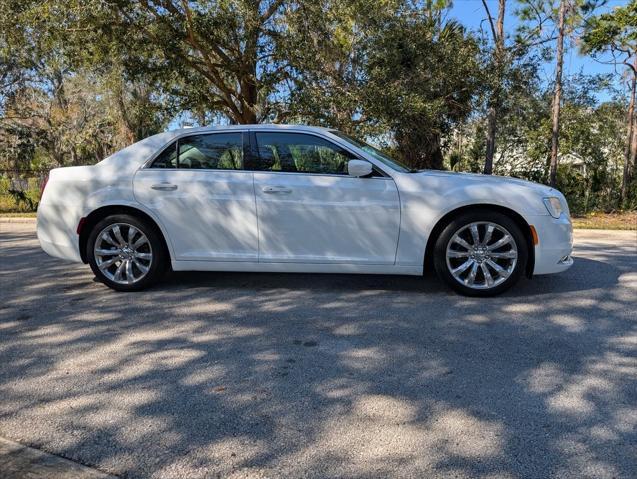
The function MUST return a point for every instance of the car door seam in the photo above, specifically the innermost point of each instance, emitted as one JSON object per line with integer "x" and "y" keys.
{"x": 400, "y": 221}
{"x": 256, "y": 210}
{"x": 254, "y": 157}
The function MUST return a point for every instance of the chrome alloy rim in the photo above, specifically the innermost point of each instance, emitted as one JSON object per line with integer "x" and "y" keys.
{"x": 123, "y": 253}
{"x": 481, "y": 255}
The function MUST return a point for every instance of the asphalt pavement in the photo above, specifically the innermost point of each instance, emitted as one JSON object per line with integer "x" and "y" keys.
{"x": 283, "y": 376}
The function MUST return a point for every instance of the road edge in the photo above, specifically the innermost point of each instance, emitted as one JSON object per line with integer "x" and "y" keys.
{"x": 18, "y": 461}
{"x": 17, "y": 219}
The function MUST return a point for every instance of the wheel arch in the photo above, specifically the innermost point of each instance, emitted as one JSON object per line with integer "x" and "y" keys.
{"x": 449, "y": 216}
{"x": 99, "y": 214}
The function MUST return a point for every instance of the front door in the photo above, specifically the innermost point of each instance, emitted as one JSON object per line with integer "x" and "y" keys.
{"x": 203, "y": 199}
{"x": 310, "y": 211}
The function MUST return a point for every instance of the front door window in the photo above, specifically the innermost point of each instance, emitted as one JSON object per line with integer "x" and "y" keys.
{"x": 300, "y": 153}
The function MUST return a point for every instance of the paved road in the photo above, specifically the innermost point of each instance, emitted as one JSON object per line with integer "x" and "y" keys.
{"x": 265, "y": 375}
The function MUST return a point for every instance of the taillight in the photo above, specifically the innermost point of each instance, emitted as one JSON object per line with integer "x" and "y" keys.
{"x": 43, "y": 185}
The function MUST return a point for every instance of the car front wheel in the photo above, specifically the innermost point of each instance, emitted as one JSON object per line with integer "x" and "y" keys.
{"x": 481, "y": 253}
{"x": 126, "y": 253}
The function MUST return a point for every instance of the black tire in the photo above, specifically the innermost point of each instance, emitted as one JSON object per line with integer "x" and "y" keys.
{"x": 463, "y": 220}
{"x": 159, "y": 261}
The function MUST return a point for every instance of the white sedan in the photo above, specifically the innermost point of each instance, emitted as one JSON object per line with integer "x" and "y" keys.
{"x": 296, "y": 199}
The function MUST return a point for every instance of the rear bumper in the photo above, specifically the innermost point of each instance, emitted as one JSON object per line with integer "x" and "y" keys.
{"x": 60, "y": 250}
{"x": 56, "y": 230}
{"x": 555, "y": 246}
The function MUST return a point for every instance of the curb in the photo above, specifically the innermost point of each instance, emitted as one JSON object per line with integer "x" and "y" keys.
{"x": 17, "y": 219}
{"x": 18, "y": 462}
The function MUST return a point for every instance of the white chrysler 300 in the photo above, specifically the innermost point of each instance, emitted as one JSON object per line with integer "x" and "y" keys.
{"x": 296, "y": 199}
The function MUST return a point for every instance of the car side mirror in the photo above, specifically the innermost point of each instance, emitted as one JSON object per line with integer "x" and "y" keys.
{"x": 359, "y": 168}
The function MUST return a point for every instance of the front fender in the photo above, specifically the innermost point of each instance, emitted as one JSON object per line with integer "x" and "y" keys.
{"x": 425, "y": 203}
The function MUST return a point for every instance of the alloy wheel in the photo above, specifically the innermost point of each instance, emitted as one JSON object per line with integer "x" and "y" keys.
{"x": 481, "y": 255}
{"x": 123, "y": 253}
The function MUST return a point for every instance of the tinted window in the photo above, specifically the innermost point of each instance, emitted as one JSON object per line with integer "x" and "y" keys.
{"x": 167, "y": 158}
{"x": 296, "y": 152}
{"x": 219, "y": 151}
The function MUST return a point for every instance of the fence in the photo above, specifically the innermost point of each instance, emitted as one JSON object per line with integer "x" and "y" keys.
{"x": 20, "y": 190}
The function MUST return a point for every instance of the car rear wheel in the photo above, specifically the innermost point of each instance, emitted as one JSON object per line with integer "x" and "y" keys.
{"x": 481, "y": 253}
{"x": 126, "y": 253}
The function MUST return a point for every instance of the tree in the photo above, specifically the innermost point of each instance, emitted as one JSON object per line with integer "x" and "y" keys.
{"x": 498, "y": 59}
{"x": 73, "y": 103}
{"x": 589, "y": 136}
{"x": 507, "y": 59}
{"x": 223, "y": 54}
{"x": 328, "y": 45}
{"x": 557, "y": 93}
{"x": 565, "y": 20}
{"x": 226, "y": 54}
{"x": 615, "y": 34}
{"x": 393, "y": 70}
{"x": 421, "y": 82}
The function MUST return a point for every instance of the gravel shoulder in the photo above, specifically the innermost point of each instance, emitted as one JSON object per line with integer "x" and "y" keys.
{"x": 274, "y": 375}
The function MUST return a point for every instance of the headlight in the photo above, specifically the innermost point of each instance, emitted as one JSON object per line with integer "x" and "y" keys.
{"x": 553, "y": 206}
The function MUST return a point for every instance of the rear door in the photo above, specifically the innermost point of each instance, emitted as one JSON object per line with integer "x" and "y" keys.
{"x": 310, "y": 211}
{"x": 205, "y": 200}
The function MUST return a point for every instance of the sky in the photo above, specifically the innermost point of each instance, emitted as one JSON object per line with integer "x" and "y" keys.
{"x": 471, "y": 13}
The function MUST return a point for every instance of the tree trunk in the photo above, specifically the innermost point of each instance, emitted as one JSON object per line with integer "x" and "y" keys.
{"x": 557, "y": 94}
{"x": 631, "y": 143}
{"x": 126, "y": 120}
{"x": 200, "y": 117}
{"x": 633, "y": 152}
{"x": 495, "y": 100}
{"x": 436, "y": 159}
{"x": 420, "y": 151}
{"x": 492, "y": 119}
{"x": 249, "y": 115}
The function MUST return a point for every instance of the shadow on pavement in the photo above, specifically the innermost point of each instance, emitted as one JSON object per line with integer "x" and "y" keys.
{"x": 322, "y": 375}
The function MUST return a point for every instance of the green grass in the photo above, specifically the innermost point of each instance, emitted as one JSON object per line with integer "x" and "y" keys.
{"x": 9, "y": 203}
{"x": 26, "y": 214}
{"x": 626, "y": 220}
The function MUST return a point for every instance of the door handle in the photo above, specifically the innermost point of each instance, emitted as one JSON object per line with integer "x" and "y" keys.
{"x": 164, "y": 187}
{"x": 272, "y": 190}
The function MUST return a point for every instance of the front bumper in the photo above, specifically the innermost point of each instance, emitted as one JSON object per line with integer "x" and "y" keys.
{"x": 555, "y": 245}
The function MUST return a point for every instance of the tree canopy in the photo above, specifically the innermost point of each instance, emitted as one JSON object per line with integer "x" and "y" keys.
{"x": 82, "y": 78}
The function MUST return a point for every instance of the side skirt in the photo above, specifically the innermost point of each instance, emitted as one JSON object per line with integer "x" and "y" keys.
{"x": 296, "y": 267}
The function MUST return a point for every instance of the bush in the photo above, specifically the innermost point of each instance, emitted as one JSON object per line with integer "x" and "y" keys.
{"x": 19, "y": 195}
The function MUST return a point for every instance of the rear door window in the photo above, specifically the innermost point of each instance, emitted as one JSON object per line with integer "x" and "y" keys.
{"x": 167, "y": 158}
{"x": 218, "y": 151}
{"x": 214, "y": 151}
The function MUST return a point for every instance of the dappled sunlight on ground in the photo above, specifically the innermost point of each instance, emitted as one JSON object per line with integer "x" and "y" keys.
{"x": 272, "y": 375}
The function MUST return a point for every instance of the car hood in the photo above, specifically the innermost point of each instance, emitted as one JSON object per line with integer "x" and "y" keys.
{"x": 443, "y": 190}
{"x": 492, "y": 180}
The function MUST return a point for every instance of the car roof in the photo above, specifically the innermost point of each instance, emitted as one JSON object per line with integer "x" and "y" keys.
{"x": 260, "y": 126}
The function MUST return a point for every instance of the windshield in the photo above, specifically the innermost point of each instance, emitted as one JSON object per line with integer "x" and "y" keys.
{"x": 375, "y": 152}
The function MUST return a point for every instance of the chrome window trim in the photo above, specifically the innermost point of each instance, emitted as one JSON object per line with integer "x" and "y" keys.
{"x": 332, "y": 139}
{"x": 319, "y": 174}
{"x": 207, "y": 170}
